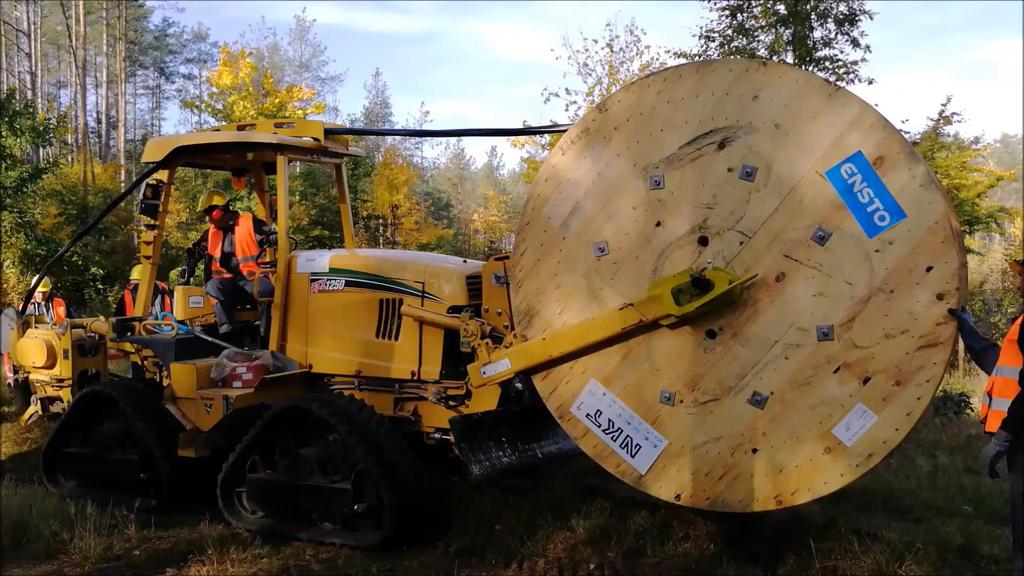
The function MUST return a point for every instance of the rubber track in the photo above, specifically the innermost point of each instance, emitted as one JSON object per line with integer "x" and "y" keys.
{"x": 376, "y": 443}
{"x": 21, "y": 396}
{"x": 148, "y": 417}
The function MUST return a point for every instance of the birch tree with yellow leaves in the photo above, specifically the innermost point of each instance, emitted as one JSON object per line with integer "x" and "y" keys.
{"x": 492, "y": 225}
{"x": 239, "y": 92}
{"x": 402, "y": 219}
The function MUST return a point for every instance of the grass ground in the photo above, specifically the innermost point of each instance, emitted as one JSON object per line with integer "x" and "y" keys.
{"x": 925, "y": 509}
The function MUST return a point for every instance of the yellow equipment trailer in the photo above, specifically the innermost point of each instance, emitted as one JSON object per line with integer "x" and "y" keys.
{"x": 626, "y": 323}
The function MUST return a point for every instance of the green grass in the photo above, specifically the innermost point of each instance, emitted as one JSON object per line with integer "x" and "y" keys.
{"x": 926, "y": 508}
{"x": 33, "y": 522}
{"x": 37, "y": 523}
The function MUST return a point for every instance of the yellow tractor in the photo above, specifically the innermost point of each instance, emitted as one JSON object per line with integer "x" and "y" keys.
{"x": 626, "y": 323}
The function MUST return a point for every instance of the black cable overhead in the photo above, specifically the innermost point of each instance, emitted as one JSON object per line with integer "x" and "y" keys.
{"x": 448, "y": 133}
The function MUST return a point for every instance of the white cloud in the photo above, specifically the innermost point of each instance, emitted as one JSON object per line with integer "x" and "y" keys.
{"x": 985, "y": 82}
{"x": 514, "y": 42}
{"x": 999, "y": 51}
{"x": 996, "y": 97}
{"x": 513, "y": 35}
{"x": 395, "y": 18}
{"x": 906, "y": 97}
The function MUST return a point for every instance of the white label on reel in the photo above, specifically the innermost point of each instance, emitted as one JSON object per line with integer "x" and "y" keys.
{"x": 313, "y": 262}
{"x": 488, "y": 370}
{"x": 854, "y": 424}
{"x": 196, "y": 301}
{"x": 618, "y": 426}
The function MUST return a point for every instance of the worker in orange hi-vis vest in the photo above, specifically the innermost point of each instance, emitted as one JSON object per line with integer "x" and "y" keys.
{"x": 1002, "y": 408}
{"x": 231, "y": 246}
{"x": 162, "y": 297}
{"x": 44, "y": 303}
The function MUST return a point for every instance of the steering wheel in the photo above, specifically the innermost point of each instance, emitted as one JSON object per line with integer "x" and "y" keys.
{"x": 266, "y": 264}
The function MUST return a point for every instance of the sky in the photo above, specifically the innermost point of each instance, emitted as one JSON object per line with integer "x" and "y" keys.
{"x": 484, "y": 64}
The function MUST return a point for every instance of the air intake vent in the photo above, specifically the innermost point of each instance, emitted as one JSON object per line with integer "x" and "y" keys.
{"x": 389, "y": 319}
{"x": 475, "y": 287}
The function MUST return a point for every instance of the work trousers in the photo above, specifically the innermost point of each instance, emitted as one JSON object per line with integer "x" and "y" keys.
{"x": 228, "y": 292}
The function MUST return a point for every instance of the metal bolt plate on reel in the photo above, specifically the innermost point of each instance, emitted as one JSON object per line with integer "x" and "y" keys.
{"x": 820, "y": 236}
{"x": 758, "y": 400}
{"x": 667, "y": 398}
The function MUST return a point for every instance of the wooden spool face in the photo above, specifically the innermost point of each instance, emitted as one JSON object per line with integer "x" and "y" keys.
{"x": 765, "y": 403}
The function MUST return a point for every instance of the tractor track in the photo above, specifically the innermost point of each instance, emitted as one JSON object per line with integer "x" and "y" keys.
{"x": 118, "y": 418}
{"x": 404, "y": 486}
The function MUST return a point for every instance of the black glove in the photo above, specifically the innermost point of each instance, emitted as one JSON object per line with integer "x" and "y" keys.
{"x": 268, "y": 241}
{"x": 193, "y": 255}
{"x": 963, "y": 317}
{"x": 994, "y": 453}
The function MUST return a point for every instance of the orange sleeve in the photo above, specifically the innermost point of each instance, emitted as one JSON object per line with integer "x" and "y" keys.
{"x": 60, "y": 311}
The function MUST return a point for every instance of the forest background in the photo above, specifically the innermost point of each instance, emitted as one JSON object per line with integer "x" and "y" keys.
{"x": 86, "y": 83}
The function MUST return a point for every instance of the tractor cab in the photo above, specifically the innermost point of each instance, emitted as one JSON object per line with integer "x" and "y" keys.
{"x": 258, "y": 153}
{"x": 54, "y": 361}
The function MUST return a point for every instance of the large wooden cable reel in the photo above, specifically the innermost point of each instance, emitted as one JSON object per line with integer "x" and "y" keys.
{"x": 833, "y": 352}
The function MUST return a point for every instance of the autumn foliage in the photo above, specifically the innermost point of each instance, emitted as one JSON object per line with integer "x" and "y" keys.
{"x": 402, "y": 218}
{"x": 240, "y": 92}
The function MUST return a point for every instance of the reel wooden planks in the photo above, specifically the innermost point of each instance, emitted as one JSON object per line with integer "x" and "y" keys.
{"x": 834, "y": 351}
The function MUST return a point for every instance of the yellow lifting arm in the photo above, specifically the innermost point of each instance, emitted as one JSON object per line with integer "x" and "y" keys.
{"x": 673, "y": 300}
{"x": 676, "y": 299}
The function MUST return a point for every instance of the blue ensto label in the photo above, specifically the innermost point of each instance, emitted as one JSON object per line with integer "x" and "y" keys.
{"x": 864, "y": 194}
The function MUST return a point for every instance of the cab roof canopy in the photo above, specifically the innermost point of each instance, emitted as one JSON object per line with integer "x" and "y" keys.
{"x": 238, "y": 146}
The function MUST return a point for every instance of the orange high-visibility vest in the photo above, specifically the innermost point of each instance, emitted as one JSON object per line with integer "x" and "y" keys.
{"x": 60, "y": 311}
{"x": 165, "y": 300}
{"x": 129, "y": 302}
{"x": 246, "y": 248}
{"x": 54, "y": 309}
{"x": 1004, "y": 382}
{"x": 165, "y": 297}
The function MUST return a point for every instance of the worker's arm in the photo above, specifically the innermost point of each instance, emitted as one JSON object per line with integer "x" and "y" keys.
{"x": 199, "y": 246}
{"x": 195, "y": 254}
{"x": 265, "y": 235}
{"x": 983, "y": 352}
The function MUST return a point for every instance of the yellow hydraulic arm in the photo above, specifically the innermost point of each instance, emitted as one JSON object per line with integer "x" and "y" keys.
{"x": 675, "y": 300}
